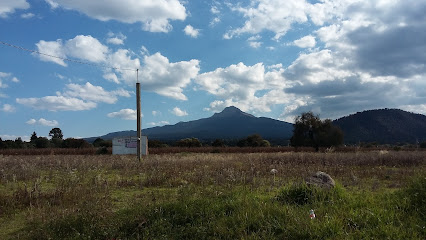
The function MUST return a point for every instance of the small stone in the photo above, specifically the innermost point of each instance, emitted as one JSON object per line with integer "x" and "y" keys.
{"x": 321, "y": 179}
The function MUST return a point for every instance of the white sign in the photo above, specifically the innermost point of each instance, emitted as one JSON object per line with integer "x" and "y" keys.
{"x": 128, "y": 145}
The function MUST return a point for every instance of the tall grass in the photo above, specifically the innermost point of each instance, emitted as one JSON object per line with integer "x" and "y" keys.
{"x": 213, "y": 196}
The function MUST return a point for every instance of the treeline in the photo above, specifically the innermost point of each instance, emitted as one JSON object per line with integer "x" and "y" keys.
{"x": 254, "y": 140}
{"x": 56, "y": 141}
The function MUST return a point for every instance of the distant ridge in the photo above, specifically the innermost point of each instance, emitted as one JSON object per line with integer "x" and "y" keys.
{"x": 383, "y": 126}
{"x": 231, "y": 123}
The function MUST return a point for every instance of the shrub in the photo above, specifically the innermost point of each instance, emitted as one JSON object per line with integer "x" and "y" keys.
{"x": 301, "y": 194}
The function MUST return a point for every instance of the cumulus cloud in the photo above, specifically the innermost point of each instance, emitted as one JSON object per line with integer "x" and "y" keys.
{"x": 57, "y": 103}
{"x": 373, "y": 58}
{"x": 75, "y": 97}
{"x": 82, "y": 47}
{"x": 93, "y": 93}
{"x": 43, "y": 122}
{"x": 116, "y": 39}
{"x": 161, "y": 123}
{"x": 4, "y": 78}
{"x": 305, "y": 42}
{"x": 178, "y": 112}
{"x": 251, "y": 88}
{"x": 155, "y": 16}
{"x": 273, "y": 15}
{"x": 158, "y": 73}
{"x": 126, "y": 114}
{"x": 166, "y": 78}
{"x": 10, "y": 6}
{"x": 191, "y": 31}
{"x": 7, "y": 108}
{"x": 27, "y": 15}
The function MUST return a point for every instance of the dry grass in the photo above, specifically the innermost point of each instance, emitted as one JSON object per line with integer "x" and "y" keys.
{"x": 51, "y": 189}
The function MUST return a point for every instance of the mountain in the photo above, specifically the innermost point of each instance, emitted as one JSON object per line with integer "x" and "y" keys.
{"x": 231, "y": 123}
{"x": 383, "y": 126}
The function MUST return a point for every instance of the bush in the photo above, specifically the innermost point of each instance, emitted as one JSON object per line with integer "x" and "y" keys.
{"x": 301, "y": 194}
{"x": 102, "y": 150}
{"x": 189, "y": 142}
{"x": 415, "y": 194}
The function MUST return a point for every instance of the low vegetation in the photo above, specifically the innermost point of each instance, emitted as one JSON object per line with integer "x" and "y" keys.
{"x": 379, "y": 195}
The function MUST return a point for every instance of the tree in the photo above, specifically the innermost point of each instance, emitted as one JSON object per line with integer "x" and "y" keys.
{"x": 33, "y": 137}
{"x": 56, "y": 133}
{"x": 75, "y": 143}
{"x": 218, "y": 143}
{"x": 310, "y": 131}
{"x": 42, "y": 142}
{"x": 189, "y": 142}
{"x": 253, "y": 141}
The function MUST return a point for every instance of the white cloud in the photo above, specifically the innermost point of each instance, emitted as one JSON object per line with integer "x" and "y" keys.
{"x": 274, "y": 15}
{"x": 86, "y": 48}
{"x": 93, "y": 93}
{"x": 43, "y": 122}
{"x": 161, "y": 123}
{"x": 52, "y": 48}
{"x": 178, "y": 112}
{"x": 166, "y": 78}
{"x": 153, "y": 15}
{"x": 191, "y": 31}
{"x": 158, "y": 73}
{"x": 27, "y": 15}
{"x": 251, "y": 88}
{"x": 10, "y": 6}
{"x": 155, "y": 113}
{"x": 14, "y": 137}
{"x": 7, "y": 108}
{"x": 305, "y": 42}
{"x": 81, "y": 47}
{"x": 255, "y": 44}
{"x": 214, "y": 21}
{"x": 116, "y": 39}
{"x": 56, "y": 103}
{"x": 126, "y": 114}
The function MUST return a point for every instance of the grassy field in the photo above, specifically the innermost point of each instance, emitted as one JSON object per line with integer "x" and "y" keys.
{"x": 379, "y": 195}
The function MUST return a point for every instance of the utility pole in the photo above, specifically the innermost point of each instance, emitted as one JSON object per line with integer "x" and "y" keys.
{"x": 138, "y": 112}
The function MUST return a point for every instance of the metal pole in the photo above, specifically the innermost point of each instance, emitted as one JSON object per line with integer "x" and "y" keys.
{"x": 138, "y": 112}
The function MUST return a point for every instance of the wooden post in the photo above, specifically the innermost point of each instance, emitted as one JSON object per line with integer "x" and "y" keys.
{"x": 138, "y": 117}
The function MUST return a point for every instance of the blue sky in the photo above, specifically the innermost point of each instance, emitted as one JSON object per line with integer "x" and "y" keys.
{"x": 270, "y": 58}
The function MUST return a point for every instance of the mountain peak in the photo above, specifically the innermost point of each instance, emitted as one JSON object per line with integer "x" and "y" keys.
{"x": 232, "y": 112}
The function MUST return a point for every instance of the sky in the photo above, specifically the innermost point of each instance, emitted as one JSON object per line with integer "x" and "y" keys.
{"x": 73, "y": 64}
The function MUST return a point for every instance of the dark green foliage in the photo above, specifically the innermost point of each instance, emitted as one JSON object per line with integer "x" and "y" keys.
{"x": 301, "y": 194}
{"x": 156, "y": 144}
{"x": 57, "y": 142}
{"x": 423, "y": 145}
{"x": 75, "y": 143}
{"x": 33, "y": 137}
{"x": 218, "y": 143}
{"x": 102, "y": 150}
{"x": 42, "y": 142}
{"x": 415, "y": 196}
{"x": 56, "y": 133}
{"x": 98, "y": 142}
{"x": 310, "y": 131}
{"x": 189, "y": 142}
{"x": 253, "y": 141}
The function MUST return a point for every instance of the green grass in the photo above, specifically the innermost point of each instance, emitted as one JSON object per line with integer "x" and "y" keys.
{"x": 213, "y": 196}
